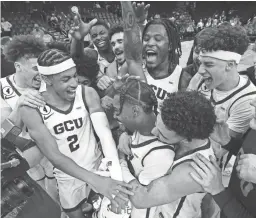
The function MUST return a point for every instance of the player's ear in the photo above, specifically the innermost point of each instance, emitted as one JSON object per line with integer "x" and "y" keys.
{"x": 18, "y": 66}
{"x": 47, "y": 79}
{"x": 135, "y": 110}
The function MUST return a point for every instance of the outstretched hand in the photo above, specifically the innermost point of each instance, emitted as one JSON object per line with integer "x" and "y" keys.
{"x": 119, "y": 81}
{"x": 81, "y": 29}
{"x": 140, "y": 11}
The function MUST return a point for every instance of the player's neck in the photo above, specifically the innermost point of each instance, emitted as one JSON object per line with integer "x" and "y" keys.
{"x": 20, "y": 81}
{"x": 231, "y": 82}
{"x": 52, "y": 98}
{"x": 108, "y": 54}
{"x": 147, "y": 124}
{"x": 161, "y": 71}
{"x": 186, "y": 146}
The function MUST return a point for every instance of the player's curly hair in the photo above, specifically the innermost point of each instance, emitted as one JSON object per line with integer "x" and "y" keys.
{"x": 138, "y": 92}
{"x": 101, "y": 23}
{"x": 189, "y": 114}
{"x": 117, "y": 28}
{"x": 24, "y": 46}
{"x": 226, "y": 37}
{"x": 174, "y": 39}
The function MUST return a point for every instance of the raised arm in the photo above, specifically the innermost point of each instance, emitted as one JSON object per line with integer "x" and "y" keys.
{"x": 78, "y": 33}
{"x": 132, "y": 41}
{"x": 165, "y": 189}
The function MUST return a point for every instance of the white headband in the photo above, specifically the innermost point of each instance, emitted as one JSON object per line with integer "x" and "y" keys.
{"x": 223, "y": 55}
{"x": 51, "y": 70}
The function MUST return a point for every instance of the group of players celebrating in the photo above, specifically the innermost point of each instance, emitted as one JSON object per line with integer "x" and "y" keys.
{"x": 126, "y": 121}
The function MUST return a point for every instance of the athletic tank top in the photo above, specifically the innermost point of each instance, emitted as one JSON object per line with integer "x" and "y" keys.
{"x": 188, "y": 206}
{"x": 141, "y": 147}
{"x": 245, "y": 91}
{"x": 73, "y": 132}
{"x": 163, "y": 87}
{"x": 11, "y": 93}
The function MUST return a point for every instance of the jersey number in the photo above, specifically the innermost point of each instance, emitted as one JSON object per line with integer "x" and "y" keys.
{"x": 73, "y": 145}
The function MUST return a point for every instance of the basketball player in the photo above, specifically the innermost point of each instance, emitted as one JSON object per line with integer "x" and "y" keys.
{"x": 218, "y": 79}
{"x": 186, "y": 121}
{"x": 100, "y": 39}
{"x": 20, "y": 89}
{"x": 63, "y": 131}
{"x": 136, "y": 108}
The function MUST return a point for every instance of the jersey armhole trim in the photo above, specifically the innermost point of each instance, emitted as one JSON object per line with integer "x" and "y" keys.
{"x": 247, "y": 94}
{"x": 38, "y": 111}
{"x": 156, "y": 148}
{"x": 184, "y": 161}
{"x": 84, "y": 99}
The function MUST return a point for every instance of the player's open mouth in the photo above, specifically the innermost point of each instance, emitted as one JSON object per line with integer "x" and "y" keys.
{"x": 208, "y": 80}
{"x": 71, "y": 92}
{"x": 37, "y": 79}
{"x": 118, "y": 52}
{"x": 151, "y": 55}
{"x": 101, "y": 43}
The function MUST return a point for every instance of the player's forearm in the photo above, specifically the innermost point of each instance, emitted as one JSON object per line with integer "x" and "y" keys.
{"x": 132, "y": 41}
{"x": 69, "y": 167}
{"x": 76, "y": 48}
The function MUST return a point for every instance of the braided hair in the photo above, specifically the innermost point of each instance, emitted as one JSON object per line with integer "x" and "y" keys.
{"x": 52, "y": 57}
{"x": 138, "y": 92}
{"x": 174, "y": 40}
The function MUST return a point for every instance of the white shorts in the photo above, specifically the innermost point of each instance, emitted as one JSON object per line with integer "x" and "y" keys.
{"x": 42, "y": 170}
{"x": 73, "y": 193}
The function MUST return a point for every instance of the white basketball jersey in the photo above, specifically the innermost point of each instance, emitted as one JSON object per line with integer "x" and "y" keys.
{"x": 141, "y": 147}
{"x": 165, "y": 86}
{"x": 73, "y": 132}
{"x": 246, "y": 90}
{"x": 188, "y": 206}
{"x": 223, "y": 105}
{"x": 11, "y": 93}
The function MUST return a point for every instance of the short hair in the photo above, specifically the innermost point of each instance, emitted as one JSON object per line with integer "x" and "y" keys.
{"x": 136, "y": 90}
{"x": 173, "y": 37}
{"x": 24, "y": 46}
{"x": 117, "y": 28}
{"x": 87, "y": 64}
{"x": 226, "y": 37}
{"x": 101, "y": 23}
{"x": 189, "y": 114}
{"x": 52, "y": 57}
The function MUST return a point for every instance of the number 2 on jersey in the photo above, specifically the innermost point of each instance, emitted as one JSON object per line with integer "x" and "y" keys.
{"x": 73, "y": 145}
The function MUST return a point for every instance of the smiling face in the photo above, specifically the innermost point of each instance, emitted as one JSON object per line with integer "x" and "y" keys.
{"x": 155, "y": 45}
{"x": 117, "y": 43}
{"x": 65, "y": 84}
{"x": 27, "y": 68}
{"x": 213, "y": 71}
{"x": 99, "y": 36}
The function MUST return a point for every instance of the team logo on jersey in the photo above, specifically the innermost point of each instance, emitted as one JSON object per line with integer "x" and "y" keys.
{"x": 8, "y": 92}
{"x": 45, "y": 110}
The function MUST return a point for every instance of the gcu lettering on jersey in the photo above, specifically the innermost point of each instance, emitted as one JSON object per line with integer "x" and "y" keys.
{"x": 160, "y": 93}
{"x": 68, "y": 125}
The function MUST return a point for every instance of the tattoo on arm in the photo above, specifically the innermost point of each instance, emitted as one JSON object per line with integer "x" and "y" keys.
{"x": 132, "y": 40}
